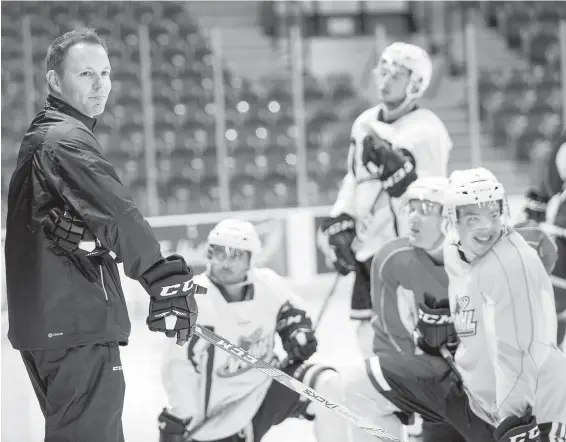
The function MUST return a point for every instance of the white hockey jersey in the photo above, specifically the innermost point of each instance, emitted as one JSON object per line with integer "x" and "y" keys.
{"x": 202, "y": 379}
{"x": 423, "y": 134}
{"x": 503, "y": 310}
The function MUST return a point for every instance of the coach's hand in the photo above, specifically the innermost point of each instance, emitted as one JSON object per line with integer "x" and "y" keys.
{"x": 172, "y": 306}
{"x": 435, "y": 326}
{"x": 513, "y": 429}
{"x": 68, "y": 232}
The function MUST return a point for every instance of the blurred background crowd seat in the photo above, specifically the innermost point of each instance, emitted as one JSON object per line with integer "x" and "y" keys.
{"x": 521, "y": 107}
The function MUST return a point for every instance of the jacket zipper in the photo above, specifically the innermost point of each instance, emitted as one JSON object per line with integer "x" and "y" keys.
{"x": 103, "y": 286}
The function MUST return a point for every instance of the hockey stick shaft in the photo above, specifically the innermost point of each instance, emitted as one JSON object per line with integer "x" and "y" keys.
{"x": 450, "y": 361}
{"x": 292, "y": 383}
{"x": 218, "y": 412}
{"x": 327, "y": 301}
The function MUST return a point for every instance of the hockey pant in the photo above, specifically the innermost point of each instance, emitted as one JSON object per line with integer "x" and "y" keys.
{"x": 389, "y": 388}
{"x": 279, "y": 404}
{"x": 80, "y": 392}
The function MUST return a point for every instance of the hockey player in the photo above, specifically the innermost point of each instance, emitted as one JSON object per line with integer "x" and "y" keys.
{"x": 391, "y": 144}
{"x": 248, "y": 306}
{"x": 545, "y": 204}
{"x": 503, "y": 310}
{"x": 409, "y": 288}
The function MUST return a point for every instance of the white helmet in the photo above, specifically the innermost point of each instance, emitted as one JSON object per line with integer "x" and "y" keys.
{"x": 432, "y": 189}
{"x": 237, "y": 234}
{"x": 413, "y": 58}
{"x": 474, "y": 186}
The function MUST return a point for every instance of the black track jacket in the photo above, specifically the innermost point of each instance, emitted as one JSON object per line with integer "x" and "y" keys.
{"x": 56, "y": 300}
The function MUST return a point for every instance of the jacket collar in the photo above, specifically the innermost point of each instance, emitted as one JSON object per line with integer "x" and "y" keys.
{"x": 56, "y": 103}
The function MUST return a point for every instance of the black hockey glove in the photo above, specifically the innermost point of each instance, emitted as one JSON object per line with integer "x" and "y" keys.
{"x": 340, "y": 231}
{"x": 172, "y": 292}
{"x": 69, "y": 233}
{"x": 518, "y": 429}
{"x": 395, "y": 168}
{"x": 172, "y": 428}
{"x": 535, "y": 208}
{"x": 296, "y": 333}
{"x": 435, "y": 326}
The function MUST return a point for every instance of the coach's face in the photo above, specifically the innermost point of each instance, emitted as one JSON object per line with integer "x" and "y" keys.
{"x": 85, "y": 80}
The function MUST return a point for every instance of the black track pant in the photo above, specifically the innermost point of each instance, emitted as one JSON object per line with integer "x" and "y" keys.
{"x": 80, "y": 391}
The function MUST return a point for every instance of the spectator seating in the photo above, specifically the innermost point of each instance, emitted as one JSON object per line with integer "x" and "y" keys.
{"x": 522, "y": 107}
{"x": 260, "y": 125}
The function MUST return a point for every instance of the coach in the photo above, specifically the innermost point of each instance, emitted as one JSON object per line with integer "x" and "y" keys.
{"x": 67, "y": 313}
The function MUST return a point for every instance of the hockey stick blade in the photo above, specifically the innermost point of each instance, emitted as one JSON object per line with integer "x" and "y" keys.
{"x": 292, "y": 383}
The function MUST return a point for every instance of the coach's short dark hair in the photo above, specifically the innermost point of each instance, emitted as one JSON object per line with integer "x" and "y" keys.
{"x": 60, "y": 46}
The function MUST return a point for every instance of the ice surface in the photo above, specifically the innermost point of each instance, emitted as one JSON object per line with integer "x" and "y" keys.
{"x": 22, "y": 419}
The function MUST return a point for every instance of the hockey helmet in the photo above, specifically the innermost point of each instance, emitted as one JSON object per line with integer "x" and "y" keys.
{"x": 432, "y": 189}
{"x": 235, "y": 234}
{"x": 411, "y": 57}
{"x": 475, "y": 186}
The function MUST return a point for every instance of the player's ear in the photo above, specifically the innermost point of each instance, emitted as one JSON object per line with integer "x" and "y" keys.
{"x": 416, "y": 85}
{"x": 53, "y": 81}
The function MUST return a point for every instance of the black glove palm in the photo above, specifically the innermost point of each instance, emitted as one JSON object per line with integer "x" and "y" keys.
{"x": 172, "y": 291}
{"x": 296, "y": 333}
{"x": 395, "y": 168}
{"x": 340, "y": 232}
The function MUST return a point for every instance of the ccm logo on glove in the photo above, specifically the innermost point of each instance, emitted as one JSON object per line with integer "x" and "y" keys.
{"x": 340, "y": 226}
{"x": 532, "y": 435}
{"x": 431, "y": 318}
{"x": 172, "y": 290}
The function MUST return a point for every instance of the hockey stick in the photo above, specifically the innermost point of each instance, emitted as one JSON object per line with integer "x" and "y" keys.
{"x": 450, "y": 361}
{"x": 292, "y": 383}
{"x": 218, "y": 412}
{"x": 326, "y": 301}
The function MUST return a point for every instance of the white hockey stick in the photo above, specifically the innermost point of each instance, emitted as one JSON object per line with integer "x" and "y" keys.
{"x": 219, "y": 411}
{"x": 450, "y": 361}
{"x": 292, "y": 383}
{"x": 326, "y": 301}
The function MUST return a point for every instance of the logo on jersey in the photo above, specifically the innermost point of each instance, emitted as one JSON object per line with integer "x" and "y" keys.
{"x": 464, "y": 318}
{"x": 255, "y": 344}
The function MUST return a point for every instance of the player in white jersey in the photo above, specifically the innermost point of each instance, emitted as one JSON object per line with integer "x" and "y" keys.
{"x": 503, "y": 309}
{"x": 248, "y": 306}
{"x": 412, "y": 321}
{"x": 391, "y": 144}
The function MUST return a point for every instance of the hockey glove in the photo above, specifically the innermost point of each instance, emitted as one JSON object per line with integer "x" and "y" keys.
{"x": 296, "y": 333}
{"x": 435, "y": 326}
{"x": 395, "y": 168}
{"x": 69, "y": 233}
{"x": 172, "y": 306}
{"x": 518, "y": 429}
{"x": 535, "y": 208}
{"x": 340, "y": 231}
{"x": 172, "y": 428}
